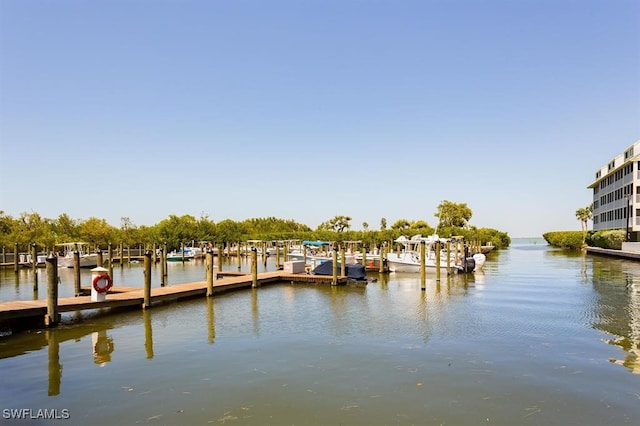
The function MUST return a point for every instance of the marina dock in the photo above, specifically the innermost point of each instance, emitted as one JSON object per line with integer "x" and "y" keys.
{"x": 31, "y": 313}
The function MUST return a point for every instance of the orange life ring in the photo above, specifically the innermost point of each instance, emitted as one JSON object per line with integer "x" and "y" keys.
{"x": 96, "y": 283}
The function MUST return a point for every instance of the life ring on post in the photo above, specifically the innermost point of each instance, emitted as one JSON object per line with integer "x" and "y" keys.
{"x": 102, "y": 283}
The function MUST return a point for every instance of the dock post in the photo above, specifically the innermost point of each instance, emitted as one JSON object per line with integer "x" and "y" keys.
{"x": 343, "y": 258}
{"x": 254, "y": 267}
{"x": 304, "y": 254}
{"x": 278, "y": 256}
{"x": 52, "y": 317}
{"x": 99, "y": 257}
{"x": 239, "y": 254}
{"x": 76, "y": 272}
{"x": 147, "y": 280}
{"x": 334, "y": 281}
{"x": 438, "y": 250}
{"x": 448, "y": 256}
{"x": 15, "y": 258}
{"x": 164, "y": 260}
{"x": 364, "y": 256}
{"x": 110, "y": 257}
{"x": 210, "y": 272}
{"x": 423, "y": 269}
{"x": 383, "y": 248}
{"x": 286, "y": 252}
{"x": 163, "y": 265}
{"x": 34, "y": 265}
{"x": 34, "y": 257}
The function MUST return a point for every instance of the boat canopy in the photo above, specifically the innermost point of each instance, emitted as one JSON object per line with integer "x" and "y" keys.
{"x": 316, "y": 243}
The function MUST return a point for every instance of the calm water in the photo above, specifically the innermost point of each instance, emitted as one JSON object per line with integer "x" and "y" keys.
{"x": 542, "y": 337}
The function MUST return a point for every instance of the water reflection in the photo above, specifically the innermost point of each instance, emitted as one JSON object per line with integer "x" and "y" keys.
{"x": 148, "y": 333}
{"x": 617, "y": 283}
{"x": 55, "y": 368}
{"x": 211, "y": 321}
{"x": 102, "y": 347}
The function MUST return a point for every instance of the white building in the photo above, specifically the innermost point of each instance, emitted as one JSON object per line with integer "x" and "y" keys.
{"x": 616, "y": 194}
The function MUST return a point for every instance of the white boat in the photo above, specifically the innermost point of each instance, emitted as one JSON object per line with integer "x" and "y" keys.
{"x": 318, "y": 252}
{"x": 87, "y": 259}
{"x": 408, "y": 260}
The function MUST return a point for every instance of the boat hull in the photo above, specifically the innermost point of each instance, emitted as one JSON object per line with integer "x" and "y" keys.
{"x": 86, "y": 261}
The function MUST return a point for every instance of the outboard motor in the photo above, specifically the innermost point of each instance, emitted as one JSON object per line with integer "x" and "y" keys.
{"x": 469, "y": 264}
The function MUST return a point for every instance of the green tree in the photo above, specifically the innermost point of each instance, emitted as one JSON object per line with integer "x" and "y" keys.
{"x": 401, "y": 224}
{"x": 365, "y": 226}
{"x": 452, "y": 214}
{"x": 337, "y": 224}
{"x": 383, "y": 224}
{"x": 97, "y": 232}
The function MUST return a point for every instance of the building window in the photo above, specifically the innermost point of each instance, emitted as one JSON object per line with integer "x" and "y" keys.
{"x": 628, "y": 154}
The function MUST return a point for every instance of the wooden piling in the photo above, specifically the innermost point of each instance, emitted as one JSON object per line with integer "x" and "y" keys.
{"x": 164, "y": 260}
{"x": 163, "y": 265}
{"x": 147, "y": 280}
{"x": 304, "y": 254}
{"x": 34, "y": 265}
{"x": 438, "y": 250}
{"x": 52, "y": 317}
{"x": 99, "y": 257}
{"x": 210, "y": 272}
{"x": 15, "y": 258}
{"x": 34, "y": 259}
{"x": 238, "y": 253}
{"x": 254, "y": 267}
{"x": 343, "y": 259}
{"x": 423, "y": 269}
{"x": 383, "y": 249}
{"x": 364, "y": 256}
{"x": 76, "y": 272}
{"x": 334, "y": 281}
{"x": 110, "y": 257}
{"x": 448, "y": 256}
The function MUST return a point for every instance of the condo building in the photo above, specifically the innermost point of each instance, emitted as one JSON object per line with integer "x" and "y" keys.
{"x": 616, "y": 194}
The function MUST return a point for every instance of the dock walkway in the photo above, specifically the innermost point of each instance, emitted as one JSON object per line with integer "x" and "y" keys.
{"x": 35, "y": 310}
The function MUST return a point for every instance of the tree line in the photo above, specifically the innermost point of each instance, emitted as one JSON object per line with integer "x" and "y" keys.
{"x": 32, "y": 228}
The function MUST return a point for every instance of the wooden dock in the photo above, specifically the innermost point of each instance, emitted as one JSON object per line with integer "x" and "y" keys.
{"x": 31, "y": 313}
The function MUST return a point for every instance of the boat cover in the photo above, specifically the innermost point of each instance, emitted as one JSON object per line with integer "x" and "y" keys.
{"x": 354, "y": 271}
{"x": 316, "y": 243}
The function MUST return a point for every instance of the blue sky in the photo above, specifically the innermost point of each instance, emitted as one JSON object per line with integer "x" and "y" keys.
{"x": 309, "y": 109}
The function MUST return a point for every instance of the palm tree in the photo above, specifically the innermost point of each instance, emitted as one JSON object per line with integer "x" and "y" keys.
{"x": 584, "y": 214}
